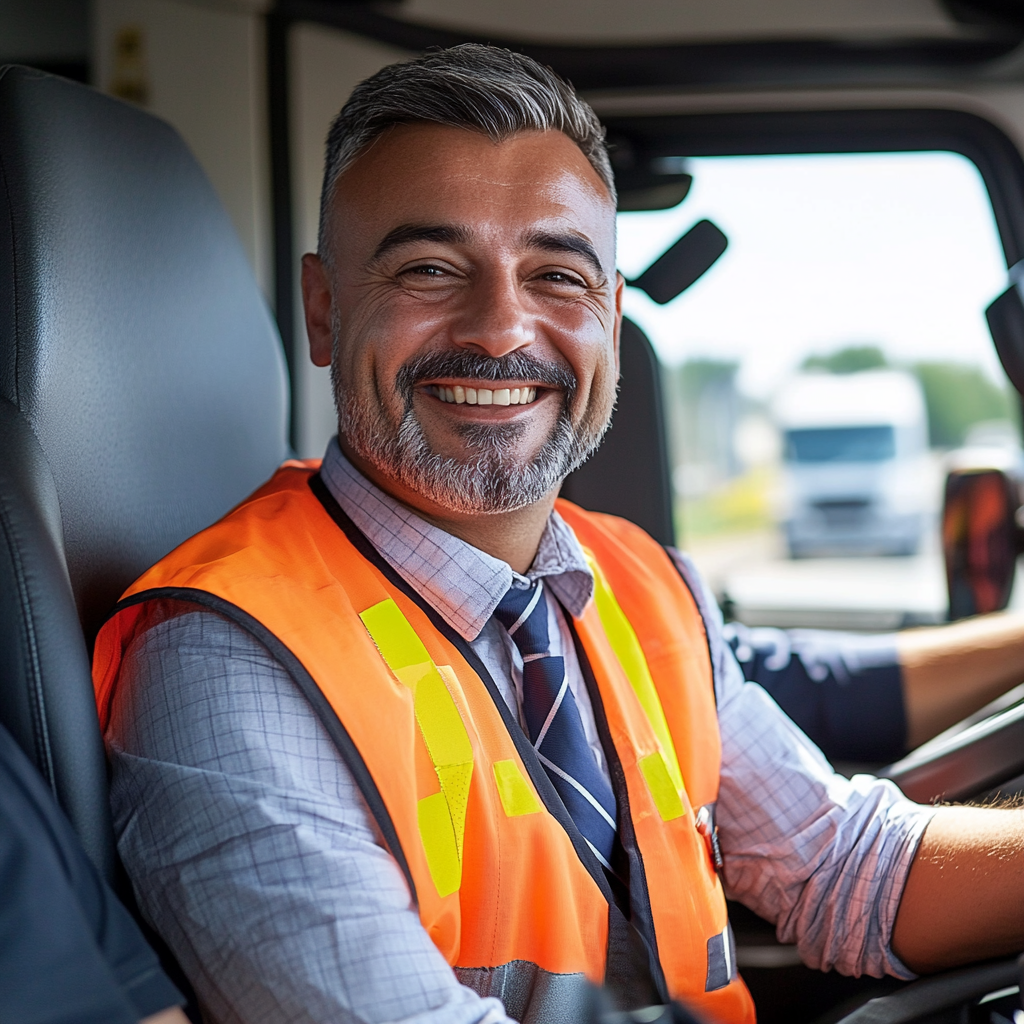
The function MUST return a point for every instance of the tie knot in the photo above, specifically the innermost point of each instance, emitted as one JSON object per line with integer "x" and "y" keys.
{"x": 524, "y": 613}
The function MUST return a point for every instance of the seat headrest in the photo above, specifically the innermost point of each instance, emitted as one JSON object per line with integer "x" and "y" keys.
{"x": 133, "y": 336}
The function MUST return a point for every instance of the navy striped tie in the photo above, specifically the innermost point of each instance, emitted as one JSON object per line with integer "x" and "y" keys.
{"x": 553, "y": 721}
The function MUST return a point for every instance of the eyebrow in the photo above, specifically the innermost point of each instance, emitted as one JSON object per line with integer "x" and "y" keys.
{"x": 451, "y": 234}
{"x": 455, "y": 234}
{"x": 566, "y": 242}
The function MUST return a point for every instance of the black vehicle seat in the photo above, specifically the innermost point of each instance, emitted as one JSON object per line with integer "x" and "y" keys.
{"x": 629, "y": 474}
{"x": 142, "y": 394}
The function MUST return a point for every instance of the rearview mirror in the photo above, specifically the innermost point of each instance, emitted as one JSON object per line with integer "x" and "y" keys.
{"x": 690, "y": 258}
{"x": 980, "y": 539}
{"x": 646, "y": 182}
{"x": 1005, "y": 318}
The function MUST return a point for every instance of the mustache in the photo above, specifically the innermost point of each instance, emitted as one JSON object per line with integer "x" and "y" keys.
{"x": 473, "y": 365}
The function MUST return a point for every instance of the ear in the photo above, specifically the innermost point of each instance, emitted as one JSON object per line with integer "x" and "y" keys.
{"x": 316, "y": 301}
{"x": 620, "y": 291}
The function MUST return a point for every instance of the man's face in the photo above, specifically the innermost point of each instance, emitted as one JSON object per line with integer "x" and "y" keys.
{"x": 466, "y": 275}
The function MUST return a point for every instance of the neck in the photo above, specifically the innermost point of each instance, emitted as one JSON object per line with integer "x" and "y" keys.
{"x": 511, "y": 536}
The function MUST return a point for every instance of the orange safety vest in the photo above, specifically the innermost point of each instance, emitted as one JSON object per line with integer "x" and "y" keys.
{"x": 504, "y": 884}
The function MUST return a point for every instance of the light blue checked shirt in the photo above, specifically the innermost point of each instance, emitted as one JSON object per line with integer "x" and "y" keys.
{"x": 253, "y": 853}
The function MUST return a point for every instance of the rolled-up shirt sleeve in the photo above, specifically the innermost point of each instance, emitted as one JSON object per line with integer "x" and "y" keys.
{"x": 252, "y": 850}
{"x": 823, "y": 857}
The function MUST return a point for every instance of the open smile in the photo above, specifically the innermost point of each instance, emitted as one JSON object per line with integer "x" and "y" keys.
{"x": 460, "y": 395}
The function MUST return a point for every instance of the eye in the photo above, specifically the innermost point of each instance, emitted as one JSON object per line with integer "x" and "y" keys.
{"x": 427, "y": 276}
{"x": 562, "y": 279}
{"x": 426, "y": 271}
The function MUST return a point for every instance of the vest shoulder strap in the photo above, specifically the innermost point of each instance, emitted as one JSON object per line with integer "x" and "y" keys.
{"x": 718, "y": 649}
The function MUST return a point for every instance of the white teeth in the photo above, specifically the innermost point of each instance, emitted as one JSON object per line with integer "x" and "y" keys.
{"x": 459, "y": 395}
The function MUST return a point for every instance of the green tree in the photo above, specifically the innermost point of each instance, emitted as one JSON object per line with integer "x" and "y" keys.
{"x": 958, "y": 396}
{"x": 696, "y": 375}
{"x": 851, "y": 359}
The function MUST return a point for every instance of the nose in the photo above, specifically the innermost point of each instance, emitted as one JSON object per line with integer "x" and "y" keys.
{"x": 495, "y": 319}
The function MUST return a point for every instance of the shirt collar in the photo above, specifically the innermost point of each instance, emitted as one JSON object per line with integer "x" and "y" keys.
{"x": 461, "y": 582}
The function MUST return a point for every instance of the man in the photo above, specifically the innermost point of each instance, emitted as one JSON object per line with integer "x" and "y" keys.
{"x": 69, "y": 951}
{"x": 397, "y": 740}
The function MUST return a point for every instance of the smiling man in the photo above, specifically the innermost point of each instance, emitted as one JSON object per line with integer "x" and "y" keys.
{"x": 403, "y": 739}
{"x": 470, "y": 316}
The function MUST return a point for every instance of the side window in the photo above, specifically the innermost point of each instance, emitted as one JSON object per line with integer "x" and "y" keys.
{"x": 819, "y": 375}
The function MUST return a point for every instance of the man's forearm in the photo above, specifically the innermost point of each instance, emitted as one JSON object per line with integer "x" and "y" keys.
{"x": 951, "y": 671}
{"x": 172, "y": 1016}
{"x": 964, "y": 897}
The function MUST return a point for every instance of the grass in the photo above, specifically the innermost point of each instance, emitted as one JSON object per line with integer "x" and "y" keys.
{"x": 741, "y": 504}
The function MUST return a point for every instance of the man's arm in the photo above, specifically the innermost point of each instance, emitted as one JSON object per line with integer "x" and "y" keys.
{"x": 172, "y": 1016}
{"x": 951, "y": 671}
{"x": 823, "y": 857}
{"x": 964, "y": 898}
{"x": 860, "y": 879}
{"x": 251, "y": 849}
{"x": 69, "y": 951}
{"x": 837, "y": 864}
{"x": 844, "y": 690}
{"x": 872, "y": 697}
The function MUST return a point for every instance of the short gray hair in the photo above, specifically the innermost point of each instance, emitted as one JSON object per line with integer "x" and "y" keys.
{"x": 482, "y": 88}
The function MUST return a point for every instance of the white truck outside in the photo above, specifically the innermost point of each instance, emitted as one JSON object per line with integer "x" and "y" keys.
{"x": 857, "y": 477}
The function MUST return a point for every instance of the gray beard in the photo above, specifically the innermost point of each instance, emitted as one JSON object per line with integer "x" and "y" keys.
{"x": 492, "y": 479}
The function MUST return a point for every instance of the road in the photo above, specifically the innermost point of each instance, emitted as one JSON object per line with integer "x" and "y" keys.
{"x": 766, "y": 588}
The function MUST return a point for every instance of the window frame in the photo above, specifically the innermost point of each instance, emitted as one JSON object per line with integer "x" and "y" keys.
{"x": 810, "y": 132}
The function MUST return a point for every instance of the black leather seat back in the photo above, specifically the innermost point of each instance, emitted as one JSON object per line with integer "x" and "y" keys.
{"x": 142, "y": 392}
{"x": 133, "y": 337}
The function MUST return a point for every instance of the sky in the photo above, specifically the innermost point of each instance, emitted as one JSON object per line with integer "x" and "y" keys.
{"x": 896, "y": 250}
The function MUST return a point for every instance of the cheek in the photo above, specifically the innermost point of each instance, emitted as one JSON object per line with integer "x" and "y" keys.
{"x": 367, "y": 361}
{"x": 591, "y": 356}
{"x": 602, "y": 393}
{"x": 384, "y": 332}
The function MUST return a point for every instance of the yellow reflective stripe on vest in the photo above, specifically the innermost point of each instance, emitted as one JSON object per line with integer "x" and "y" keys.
{"x": 514, "y": 791}
{"x": 666, "y": 797}
{"x": 441, "y": 816}
{"x": 661, "y": 769}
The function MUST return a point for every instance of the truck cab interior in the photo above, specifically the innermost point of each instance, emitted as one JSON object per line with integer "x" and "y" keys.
{"x": 805, "y": 188}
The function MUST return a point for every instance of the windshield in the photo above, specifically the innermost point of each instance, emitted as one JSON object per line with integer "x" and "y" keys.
{"x": 840, "y": 444}
{"x": 851, "y": 297}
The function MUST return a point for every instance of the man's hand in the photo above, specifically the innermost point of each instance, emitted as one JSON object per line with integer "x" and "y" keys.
{"x": 951, "y": 671}
{"x": 964, "y": 898}
{"x": 172, "y": 1016}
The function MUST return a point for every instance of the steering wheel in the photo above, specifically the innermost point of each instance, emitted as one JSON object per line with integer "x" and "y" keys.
{"x": 988, "y": 992}
{"x": 981, "y": 753}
